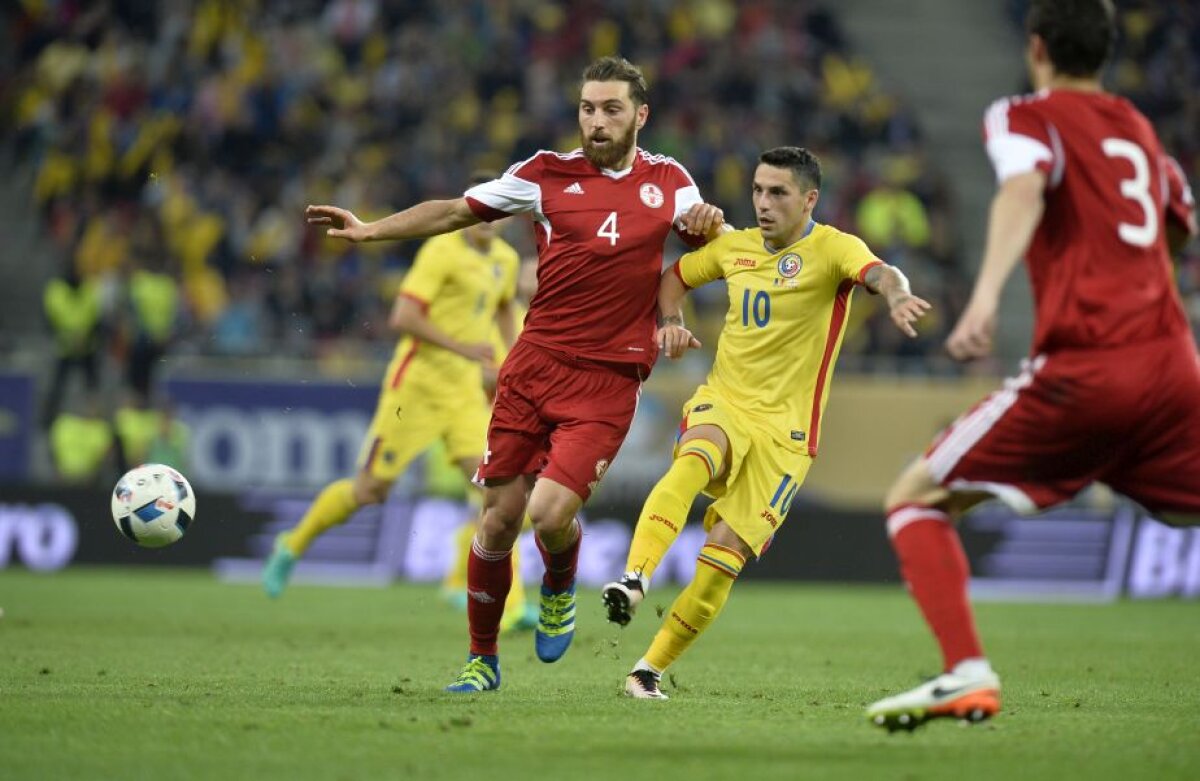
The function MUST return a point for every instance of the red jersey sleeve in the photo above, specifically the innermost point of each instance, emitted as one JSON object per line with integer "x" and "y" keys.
{"x": 518, "y": 191}
{"x": 1181, "y": 206}
{"x": 1020, "y": 140}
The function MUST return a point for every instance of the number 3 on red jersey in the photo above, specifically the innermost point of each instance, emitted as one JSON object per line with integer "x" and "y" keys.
{"x": 1136, "y": 189}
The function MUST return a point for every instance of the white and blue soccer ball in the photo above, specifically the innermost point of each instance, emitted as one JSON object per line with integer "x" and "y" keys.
{"x": 153, "y": 505}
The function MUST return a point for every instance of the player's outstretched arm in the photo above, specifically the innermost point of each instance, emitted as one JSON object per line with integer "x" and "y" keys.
{"x": 1016, "y": 211}
{"x": 408, "y": 318}
{"x": 428, "y": 218}
{"x": 673, "y": 338}
{"x": 905, "y": 308}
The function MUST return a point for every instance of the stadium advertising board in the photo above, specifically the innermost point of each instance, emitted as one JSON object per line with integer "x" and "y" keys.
{"x": 1070, "y": 554}
{"x": 16, "y": 424}
{"x": 271, "y": 434}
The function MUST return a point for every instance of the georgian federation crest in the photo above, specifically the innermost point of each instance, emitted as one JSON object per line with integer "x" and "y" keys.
{"x": 651, "y": 195}
{"x": 790, "y": 265}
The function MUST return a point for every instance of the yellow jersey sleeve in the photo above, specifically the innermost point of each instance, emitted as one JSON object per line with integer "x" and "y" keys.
{"x": 852, "y": 257}
{"x": 703, "y": 265}
{"x": 429, "y": 271}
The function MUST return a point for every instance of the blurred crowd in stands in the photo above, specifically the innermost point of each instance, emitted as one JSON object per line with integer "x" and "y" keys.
{"x": 176, "y": 145}
{"x": 185, "y": 138}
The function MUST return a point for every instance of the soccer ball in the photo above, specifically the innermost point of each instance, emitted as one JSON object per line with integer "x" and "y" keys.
{"x": 153, "y": 505}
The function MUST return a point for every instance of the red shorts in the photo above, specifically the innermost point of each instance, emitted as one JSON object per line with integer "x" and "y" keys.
{"x": 559, "y": 416}
{"x": 1128, "y": 417}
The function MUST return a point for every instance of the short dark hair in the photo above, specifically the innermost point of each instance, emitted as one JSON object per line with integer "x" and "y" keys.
{"x": 1079, "y": 34}
{"x": 804, "y": 164}
{"x": 619, "y": 69}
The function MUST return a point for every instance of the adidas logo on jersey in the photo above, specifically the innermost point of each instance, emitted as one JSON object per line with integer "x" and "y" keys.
{"x": 574, "y": 189}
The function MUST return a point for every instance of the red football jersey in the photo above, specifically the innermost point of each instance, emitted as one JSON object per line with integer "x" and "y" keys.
{"x": 1098, "y": 263}
{"x": 600, "y": 240}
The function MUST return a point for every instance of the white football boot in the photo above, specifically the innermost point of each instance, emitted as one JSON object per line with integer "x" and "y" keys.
{"x": 643, "y": 685}
{"x": 971, "y": 691}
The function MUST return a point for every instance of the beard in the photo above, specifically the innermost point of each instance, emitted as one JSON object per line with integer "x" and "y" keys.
{"x": 611, "y": 154}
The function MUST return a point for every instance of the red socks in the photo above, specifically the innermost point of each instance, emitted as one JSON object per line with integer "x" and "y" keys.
{"x": 489, "y": 577}
{"x": 935, "y": 568}
{"x": 560, "y": 566}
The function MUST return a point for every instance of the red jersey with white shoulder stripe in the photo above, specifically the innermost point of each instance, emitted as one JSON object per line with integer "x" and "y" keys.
{"x": 600, "y": 240}
{"x": 1098, "y": 262}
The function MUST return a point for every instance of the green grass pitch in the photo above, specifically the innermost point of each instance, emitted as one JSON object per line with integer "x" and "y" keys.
{"x": 169, "y": 674}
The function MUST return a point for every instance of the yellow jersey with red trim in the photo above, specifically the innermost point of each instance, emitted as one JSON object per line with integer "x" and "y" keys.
{"x": 787, "y": 316}
{"x": 459, "y": 288}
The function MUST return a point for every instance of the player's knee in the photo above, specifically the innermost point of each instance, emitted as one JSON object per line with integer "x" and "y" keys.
{"x": 368, "y": 491}
{"x": 499, "y": 525}
{"x": 548, "y": 521}
{"x": 915, "y": 485}
{"x": 897, "y": 495}
{"x": 552, "y": 514}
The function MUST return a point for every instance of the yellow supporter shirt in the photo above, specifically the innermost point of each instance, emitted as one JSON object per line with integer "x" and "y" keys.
{"x": 459, "y": 289}
{"x": 787, "y": 315}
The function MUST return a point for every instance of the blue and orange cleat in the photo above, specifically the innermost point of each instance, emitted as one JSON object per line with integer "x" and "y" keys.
{"x": 556, "y": 623}
{"x": 479, "y": 674}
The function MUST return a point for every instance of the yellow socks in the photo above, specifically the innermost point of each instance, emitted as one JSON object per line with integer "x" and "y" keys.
{"x": 717, "y": 567}
{"x": 666, "y": 508}
{"x": 455, "y": 581}
{"x": 514, "y": 604}
{"x": 332, "y": 506}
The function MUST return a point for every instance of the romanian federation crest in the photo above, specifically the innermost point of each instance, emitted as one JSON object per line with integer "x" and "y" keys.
{"x": 651, "y": 195}
{"x": 790, "y": 265}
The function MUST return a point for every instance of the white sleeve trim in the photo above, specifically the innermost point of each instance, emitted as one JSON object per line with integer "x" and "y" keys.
{"x": 510, "y": 194}
{"x": 685, "y": 198}
{"x": 1014, "y": 154}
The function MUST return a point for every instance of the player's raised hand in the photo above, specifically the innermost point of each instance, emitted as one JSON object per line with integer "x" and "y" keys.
{"x": 906, "y": 310}
{"x": 972, "y": 335}
{"x": 702, "y": 219}
{"x": 344, "y": 225}
{"x": 675, "y": 340}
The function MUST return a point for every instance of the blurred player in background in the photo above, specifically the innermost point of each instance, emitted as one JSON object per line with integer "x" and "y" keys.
{"x": 750, "y": 433}
{"x": 460, "y": 287}
{"x": 1112, "y": 392}
{"x": 454, "y": 586}
{"x": 567, "y": 392}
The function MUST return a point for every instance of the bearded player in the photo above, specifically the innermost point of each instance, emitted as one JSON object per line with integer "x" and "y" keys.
{"x": 567, "y": 392}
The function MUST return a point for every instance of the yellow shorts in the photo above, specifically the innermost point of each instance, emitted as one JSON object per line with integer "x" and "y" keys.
{"x": 412, "y": 416}
{"x": 766, "y": 469}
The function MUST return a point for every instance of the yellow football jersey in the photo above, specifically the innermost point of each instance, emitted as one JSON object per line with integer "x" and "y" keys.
{"x": 460, "y": 289}
{"x": 502, "y": 350}
{"x": 787, "y": 315}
